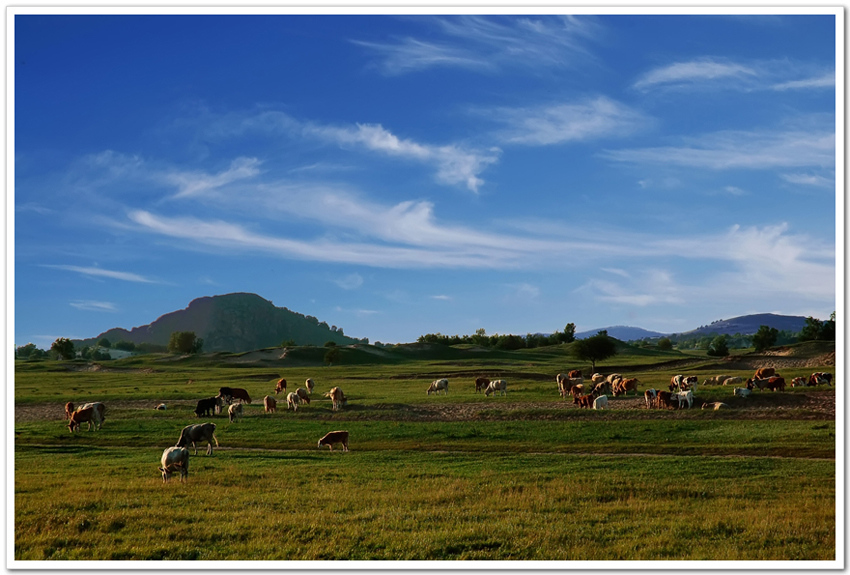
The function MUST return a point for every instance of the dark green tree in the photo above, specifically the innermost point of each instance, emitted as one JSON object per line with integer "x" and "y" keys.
{"x": 330, "y": 344}
{"x": 124, "y": 345}
{"x": 719, "y": 346}
{"x": 25, "y": 351}
{"x": 63, "y": 347}
{"x": 812, "y": 330}
{"x": 103, "y": 342}
{"x": 765, "y": 337}
{"x": 596, "y": 348}
{"x": 569, "y": 333}
{"x": 185, "y": 342}
{"x": 665, "y": 344}
{"x": 332, "y": 355}
{"x": 288, "y": 343}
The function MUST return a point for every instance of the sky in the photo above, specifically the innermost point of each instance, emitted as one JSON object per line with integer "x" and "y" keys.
{"x": 397, "y": 175}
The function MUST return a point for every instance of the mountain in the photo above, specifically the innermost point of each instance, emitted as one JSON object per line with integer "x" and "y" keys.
{"x": 621, "y": 332}
{"x": 749, "y": 324}
{"x": 745, "y": 325}
{"x": 234, "y": 322}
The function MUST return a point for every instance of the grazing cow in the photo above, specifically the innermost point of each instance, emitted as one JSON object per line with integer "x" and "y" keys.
{"x": 714, "y": 405}
{"x": 764, "y": 373}
{"x": 820, "y": 378}
{"x": 310, "y": 385}
{"x": 577, "y": 390}
{"x": 436, "y": 386}
{"x": 194, "y": 434}
{"x": 84, "y": 415}
{"x": 690, "y": 382}
{"x": 602, "y": 388}
{"x": 676, "y": 381}
{"x": 206, "y": 407}
{"x": 597, "y": 378}
{"x": 776, "y": 383}
{"x": 481, "y": 384}
{"x": 334, "y": 437}
{"x": 650, "y": 396}
{"x": 566, "y": 385}
{"x": 759, "y": 383}
{"x": 160, "y": 407}
{"x": 560, "y": 379}
{"x": 280, "y": 386}
{"x": 600, "y": 402}
{"x": 666, "y": 398}
{"x": 228, "y": 394}
{"x": 733, "y": 381}
{"x": 337, "y": 398}
{"x": 269, "y": 404}
{"x": 175, "y": 459}
{"x": 302, "y": 393}
{"x": 583, "y": 401}
{"x": 497, "y": 386}
{"x": 623, "y": 386}
{"x": 574, "y": 373}
{"x": 715, "y": 380}
{"x": 614, "y": 377}
{"x": 292, "y": 401}
{"x": 685, "y": 397}
{"x": 69, "y": 409}
{"x": 234, "y": 412}
{"x": 799, "y": 382}
{"x": 741, "y": 392}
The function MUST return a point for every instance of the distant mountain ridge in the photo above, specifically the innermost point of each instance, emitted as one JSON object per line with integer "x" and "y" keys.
{"x": 234, "y": 322}
{"x": 744, "y": 325}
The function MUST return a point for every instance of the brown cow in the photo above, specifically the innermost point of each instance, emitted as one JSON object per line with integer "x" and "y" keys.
{"x": 574, "y": 373}
{"x": 775, "y": 383}
{"x": 481, "y": 384}
{"x": 334, "y": 437}
{"x": 228, "y": 394}
{"x": 86, "y": 415}
{"x": 269, "y": 404}
{"x": 764, "y": 373}
{"x": 623, "y": 386}
{"x": 69, "y": 409}
{"x": 280, "y": 386}
{"x": 584, "y": 401}
{"x": 666, "y": 398}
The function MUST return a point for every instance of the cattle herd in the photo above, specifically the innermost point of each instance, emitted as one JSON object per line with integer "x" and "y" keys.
{"x": 680, "y": 393}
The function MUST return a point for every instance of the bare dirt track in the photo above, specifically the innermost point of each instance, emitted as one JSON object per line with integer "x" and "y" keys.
{"x": 815, "y": 404}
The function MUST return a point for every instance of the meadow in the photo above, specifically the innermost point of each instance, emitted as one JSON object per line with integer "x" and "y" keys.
{"x": 526, "y": 476}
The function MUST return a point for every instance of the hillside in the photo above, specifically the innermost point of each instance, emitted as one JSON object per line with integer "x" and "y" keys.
{"x": 235, "y": 322}
{"x": 621, "y": 332}
{"x": 749, "y": 324}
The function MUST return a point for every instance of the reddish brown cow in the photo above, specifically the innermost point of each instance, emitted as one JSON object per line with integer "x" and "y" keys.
{"x": 86, "y": 415}
{"x": 231, "y": 393}
{"x": 69, "y": 409}
{"x": 281, "y": 386}
{"x": 481, "y": 384}
{"x": 625, "y": 385}
{"x": 666, "y": 398}
{"x": 334, "y": 437}
{"x": 575, "y": 373}
{"x": 584, "y": 401}
{"x": 764, "y": 373}
{"x": 775, "y": 383}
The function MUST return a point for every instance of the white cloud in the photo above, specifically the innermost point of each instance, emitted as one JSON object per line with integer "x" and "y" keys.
{"x": 102, "y": 273}
{"x": 441, "y": 297}
{"x": 559, "y": 123}
{"x": 693, "y": 72}
{"x": 196, "y": 183}
{"x": 350, "y": 282}
{"x": 87, "y": 305}
{"x": 824, "y": 81}
{"x": 809, "y": 180}
{"x": 740, "y": 150}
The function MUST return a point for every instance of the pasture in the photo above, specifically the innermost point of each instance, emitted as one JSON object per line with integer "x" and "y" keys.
{"x": 526, "y": 476}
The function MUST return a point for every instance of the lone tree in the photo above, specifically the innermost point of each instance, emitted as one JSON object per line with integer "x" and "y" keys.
{"x": 665, "y": 344}
{"x": 103, "y": 342}
{"x": 596, "y": 348}
{"x": 332, "y": 356}
{"x": 765, "y": 337}
{"x": 185, "y": 342}
{"x": 64, "y": 348}
{"x": 719, "y": 346}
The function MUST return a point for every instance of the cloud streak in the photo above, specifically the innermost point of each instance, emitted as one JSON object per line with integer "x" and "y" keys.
{"x": 102, "y": 273}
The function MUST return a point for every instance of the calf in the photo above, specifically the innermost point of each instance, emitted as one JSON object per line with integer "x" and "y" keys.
{"x": 334, "y": 437}
{"x": 234, "y": 412}
{"x": 269, "y": 404}
{"x": 280, "y": 386}
{"x": 600, "y": 402}
{"x": 685, "y": 397}
{"x": 175, "y": 459}
{"x": 481, "y": 384}
{"x": 206, "y": 407}
{"x": 497, "y": 386}
{"x": 194, "y": 434}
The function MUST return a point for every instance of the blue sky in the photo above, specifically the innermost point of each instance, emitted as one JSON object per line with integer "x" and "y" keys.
{"x": 401, "y": 175}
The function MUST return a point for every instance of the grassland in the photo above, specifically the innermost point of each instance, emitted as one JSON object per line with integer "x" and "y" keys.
{"x": 522, "y": 477}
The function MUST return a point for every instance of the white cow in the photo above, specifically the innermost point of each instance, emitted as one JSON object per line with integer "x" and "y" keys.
{"x": 292, "y": 401}
{"x": 497, "y": 386}
{"x": 733, "y": 381}
{"x": 309, "y": 383}
{"x": 234, "y": 411}
{"x": 650, "y": 395}
{"x": 685, "y": 397}
{"x": 175, "y": 459}
{"x": 741, "y": 392}
{"x": 440, "y": 384}
{"x": 600, "y": 402}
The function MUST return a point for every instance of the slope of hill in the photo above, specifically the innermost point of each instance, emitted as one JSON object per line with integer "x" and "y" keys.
{"x": 749, "y": 324}
{"x": 234, "y": 322}
{"x": 621, "y": 332}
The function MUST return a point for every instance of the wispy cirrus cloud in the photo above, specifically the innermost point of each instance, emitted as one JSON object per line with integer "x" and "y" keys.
{"x": 88, "y": 305}
{"x": 102, "y": 273}
{"x": 809, "y": 180}
{"x": 193, "y": 183}
{"x": 350, "y": 282}
{"x": 568, "y": 122}
{"x": 487, "y": 44}
{"x": 694, "y": 72}
{"x": 726, "y": 150}
{"x": 823, "y": 81}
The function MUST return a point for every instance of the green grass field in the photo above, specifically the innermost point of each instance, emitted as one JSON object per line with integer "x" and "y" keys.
{"x": 522, "y": 477}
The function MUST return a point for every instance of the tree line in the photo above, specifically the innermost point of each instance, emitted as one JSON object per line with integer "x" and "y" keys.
{"x": 503, "y": 341}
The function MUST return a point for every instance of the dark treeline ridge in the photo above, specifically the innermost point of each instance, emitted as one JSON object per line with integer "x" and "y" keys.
{"x": 503, "y": 341}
